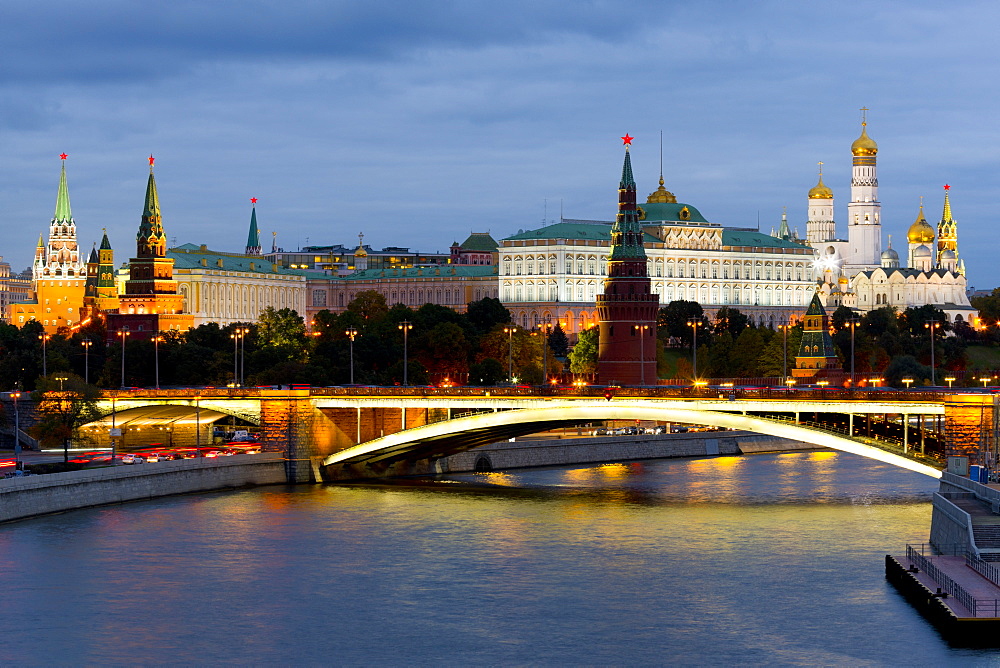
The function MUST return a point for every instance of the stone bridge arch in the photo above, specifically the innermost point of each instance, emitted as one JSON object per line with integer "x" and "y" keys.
{"x": 414, "y": 450}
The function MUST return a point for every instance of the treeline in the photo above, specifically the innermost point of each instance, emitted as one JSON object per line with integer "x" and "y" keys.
{"x": 471, "y": 347}
{"x": 887, "y": 344}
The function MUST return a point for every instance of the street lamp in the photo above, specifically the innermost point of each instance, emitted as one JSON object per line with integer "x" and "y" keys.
{"x": 950, "y": 380}
{"x": 509, "y": 331}
{"x": 695, "y": 323}
{"x": 156, "y": 357}
{"x": 822, "y": 383}
{"x": 15, "y": 395}
{"x": 642, "y": 329}
{"x": 853, "y": 324}
{"x": 406, "y": 326}
{"x": 123, "y": 334}
{"x": 985, "y": 380}
{"x": 197, "y": 425}
{"x": 114, "y": 433}
{"x": 876, "y": 381}
{"x": 351, "y": 332}
{"x": 789, "y": 382}
{"x": 236, "y": 336}
{"x": 784, "y": 350}
{"x": 545, "y": 348}
{"x": 64, "y": 404}
{"x": 243, "y": 355}
{"x": 932, "y": 325}
{"x": 86, "y": 343}
{"x": 908, "y": 381}
{"x": 45, "y": 356}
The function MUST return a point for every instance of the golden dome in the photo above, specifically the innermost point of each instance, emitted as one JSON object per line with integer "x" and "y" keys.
{"x": 864, "y": 145}
{"x": 821, "y": 190}
{"x": 843, "y": 280}
{"x": 661, "y": 196}
{"x": 920, "y": 231}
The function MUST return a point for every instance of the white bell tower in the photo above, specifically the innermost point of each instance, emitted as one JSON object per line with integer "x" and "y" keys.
{"x": 864, "y": 221}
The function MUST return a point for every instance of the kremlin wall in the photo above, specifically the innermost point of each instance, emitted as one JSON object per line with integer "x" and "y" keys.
{"x": 581, "y": 273}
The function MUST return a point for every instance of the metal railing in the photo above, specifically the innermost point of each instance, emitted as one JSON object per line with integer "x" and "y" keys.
{"x": 978, "y": 607}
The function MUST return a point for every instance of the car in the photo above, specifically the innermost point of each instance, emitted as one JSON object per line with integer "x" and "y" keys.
{"x": 132, "y": 458}
{"x": 212, "y": 454}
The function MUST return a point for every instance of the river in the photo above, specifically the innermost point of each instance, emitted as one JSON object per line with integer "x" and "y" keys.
{"x": 770, "y": 559}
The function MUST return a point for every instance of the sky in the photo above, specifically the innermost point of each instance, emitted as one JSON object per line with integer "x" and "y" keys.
{"x": 419, "y": 122}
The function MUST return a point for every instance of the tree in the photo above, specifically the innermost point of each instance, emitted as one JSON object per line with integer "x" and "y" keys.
{"x": 583, "y": 357}
{"x": 369, "y": 305}
{"x": 906, "y": 366}
{"x": 730, "y": 320}
{"x": 444, "y": 350}
{"x": 283, "y": 328}
{"x": 487, "y": 372}
{"x": 558, "y": 343}
{"x": 64, "y": 404}
{"x": 672, "y": 320}
{"x": 486, "y": 314}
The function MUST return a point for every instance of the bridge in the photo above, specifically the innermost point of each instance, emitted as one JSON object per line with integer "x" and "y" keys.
{"x": 364, "y": 432}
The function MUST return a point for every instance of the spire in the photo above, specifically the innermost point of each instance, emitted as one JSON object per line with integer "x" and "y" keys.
{"x": 783, "y": 231}
{"x": 105, "y": 243}
{"x": 93, "y": 255}
{"x": 151, "y": 240}
{"x": 253, "y": 239}
{"x": 63, "y": 211}
{"x": 626, "y": 234}
{"x": 274, "y": 242}
{"x": 41, "y": 240}
{"x": 946, "y": 214}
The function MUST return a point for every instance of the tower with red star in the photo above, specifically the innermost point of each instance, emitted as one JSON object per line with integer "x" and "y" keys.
{"x": 627, "y": 308}
{"x": 151, "y": 303}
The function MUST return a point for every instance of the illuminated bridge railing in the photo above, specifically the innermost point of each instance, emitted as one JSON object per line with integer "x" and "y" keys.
{"x": 888, "y": 444}
{"x": 587, "y": 392}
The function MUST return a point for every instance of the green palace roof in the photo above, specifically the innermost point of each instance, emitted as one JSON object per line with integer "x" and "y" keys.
{"x": 573, "y": 230}
{"x": 480, "y": 241}
{"x": 190, "y": 256}
{"x": 736, "y": 237}
{"x": 444, "y": 270}
{"x": 671, "y": 212}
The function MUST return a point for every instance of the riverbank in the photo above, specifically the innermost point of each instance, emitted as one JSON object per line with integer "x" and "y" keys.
{"x": 35, "y": 495}
{"x": 561, "y": 451}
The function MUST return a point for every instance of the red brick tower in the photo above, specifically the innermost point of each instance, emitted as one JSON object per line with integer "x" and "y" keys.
{"x": 627, "y": 309}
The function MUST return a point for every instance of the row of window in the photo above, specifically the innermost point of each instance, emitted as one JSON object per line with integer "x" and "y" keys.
{"x": 680, "y": 268}
{"x": 760, "y": 296}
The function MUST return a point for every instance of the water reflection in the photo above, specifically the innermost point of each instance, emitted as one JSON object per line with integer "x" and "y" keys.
{"x": 769, "y": 559}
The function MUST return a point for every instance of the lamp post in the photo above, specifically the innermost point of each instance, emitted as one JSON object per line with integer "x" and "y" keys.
{"x": 784, "y": 351}
{"x": 114, "y": 433}
{"x": 932, "y": 325}
{"x": 123, "y": 334}
{"x": 197, "y": 425}
{"x": 406, "y": 326}
{"x": 45, "y": 356}
{"x": 243, "y": 355}
{"x": 545, "y": 349}
{"x": 695, "y": 323}
{"x": 63, "y": 403}
{"x": 15, "y": 395}
{"x": 642, "y": 329}
{"x": 985, "y": 381}
{"x": 853, "y": 324}
{"x": 950, "y": 380}
{"x": 86, "y": 343}
{"x": 235, "y": 336}
{"x": 351, "y": 332}
{"x": 908, "y": 381}
{"x": 156, "y": 357}
{"x": 509, "y": 331}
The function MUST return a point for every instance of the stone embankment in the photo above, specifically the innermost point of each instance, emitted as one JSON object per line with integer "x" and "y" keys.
{"x": 560, "y": 452}
{"x": 57, "y": 492}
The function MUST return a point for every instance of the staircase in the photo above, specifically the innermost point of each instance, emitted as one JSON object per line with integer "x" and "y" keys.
{"x": 985, "y": 527}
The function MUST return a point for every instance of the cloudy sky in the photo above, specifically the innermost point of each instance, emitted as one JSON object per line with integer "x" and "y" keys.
{"x": 418, "y": 122}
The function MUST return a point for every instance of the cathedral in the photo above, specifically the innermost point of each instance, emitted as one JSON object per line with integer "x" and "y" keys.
{"x": 856, "y": 272}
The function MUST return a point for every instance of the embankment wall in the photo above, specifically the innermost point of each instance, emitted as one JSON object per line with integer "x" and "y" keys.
{"x": 57, "y": 492}
{"x": 552, "y": 452}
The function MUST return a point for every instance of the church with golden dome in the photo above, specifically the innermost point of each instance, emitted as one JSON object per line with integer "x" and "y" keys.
{"x": 857, "y": 273}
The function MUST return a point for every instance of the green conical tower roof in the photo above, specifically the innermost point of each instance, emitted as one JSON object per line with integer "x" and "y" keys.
{"x": 105, "y": 244}
{"x": 151, "y": 240}
{"x": 626, "y": 234}
{"x": 253, "y": 239}
{"x": 816, "y": 306}
{"x": 93, "y": 255}
{"x": 63, "y": 212}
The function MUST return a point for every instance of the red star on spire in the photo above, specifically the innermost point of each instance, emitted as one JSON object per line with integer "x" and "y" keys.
{"x": 151, "y": 159}
{"x": 253, "y": 200}
{"x": 947, "y": 187}
{"x": 626, "y": 140}
{"x": 63, "y": 156}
